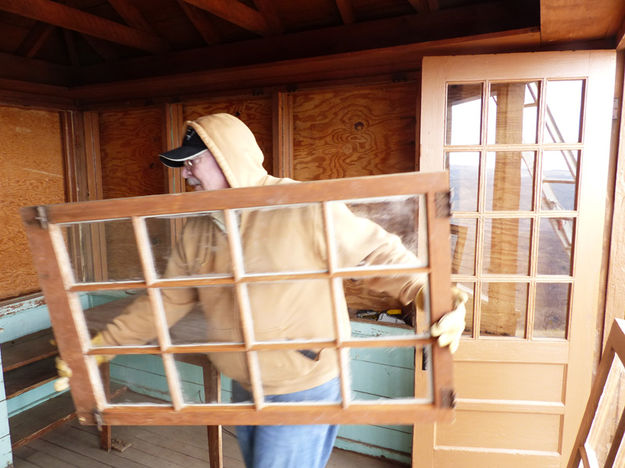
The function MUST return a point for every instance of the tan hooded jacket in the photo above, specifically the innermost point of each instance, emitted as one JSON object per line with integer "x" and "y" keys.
{"x": 285, "y": 239}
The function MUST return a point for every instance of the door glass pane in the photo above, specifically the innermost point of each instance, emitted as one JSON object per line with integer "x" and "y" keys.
{"x": 554, "y": 246}
{"x": 464, "y": 168}
{"x": 563, "y": 115}
{"x": 503, "y": 307}
{"x": 551, "y": 310}
{"x": 559, "y": 189}
{"x": 509, "y": 180}
{"x": 506, "y": 246}
{"x": 468, "y": 288}
{"x": 513, "y": 112}
{"x": 464, "y": 114}
{"x": 463, "y": 246}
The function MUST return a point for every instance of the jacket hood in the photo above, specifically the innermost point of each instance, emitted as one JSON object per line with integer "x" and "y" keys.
{"x": 235, "y": 149}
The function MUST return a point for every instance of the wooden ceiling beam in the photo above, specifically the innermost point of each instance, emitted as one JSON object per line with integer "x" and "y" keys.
{"x": 35, "y": 38}
{"x": 303, "y": 72}
{"x": 442, "y": 24}
{"x": 267, "y": 8}
{"x": 76, "y": 20}
{"x": 571, "y": 20}
{"x": 346, "y": 11}
{"x": 235, "y": 12}
{"x": 201, "y": 21}
{"x": 32, "y": 70}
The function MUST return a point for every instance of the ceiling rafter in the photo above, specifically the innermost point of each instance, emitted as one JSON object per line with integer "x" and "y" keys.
{"x": 346, "y": 11}
{"x": 131, "y": 14}
{"x": 76, "y": 20}
{"x": 237, "y": 13}
{"x": 102, "y": 48}
{"x": 423, "y": 6}
{"x": 268, "y": 9}
{"x": 201, "y": 21}
{"x": 35, "y": 38}
{"x": 443, "y": 24}
{"x": 70, "y": 43}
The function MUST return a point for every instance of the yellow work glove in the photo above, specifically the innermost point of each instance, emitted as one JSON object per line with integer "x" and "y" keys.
{"x": 451, "y": 325}
{"x": 65, "y": 372}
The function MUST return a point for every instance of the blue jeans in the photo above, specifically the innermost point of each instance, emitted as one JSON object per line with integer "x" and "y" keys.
{"x": 298, "y": 446}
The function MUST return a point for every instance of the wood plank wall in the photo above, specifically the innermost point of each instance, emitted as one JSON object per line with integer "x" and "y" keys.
{"x": 31, "y": 173}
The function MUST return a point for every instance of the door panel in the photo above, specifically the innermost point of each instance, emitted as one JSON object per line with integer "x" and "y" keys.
{"x": 525, "y": 138}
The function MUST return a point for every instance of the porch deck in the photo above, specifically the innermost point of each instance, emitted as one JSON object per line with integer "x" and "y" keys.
{"x": 73, "y": 445}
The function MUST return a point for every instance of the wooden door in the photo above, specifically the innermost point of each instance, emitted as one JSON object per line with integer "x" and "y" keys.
{"x": 525, "y": 138}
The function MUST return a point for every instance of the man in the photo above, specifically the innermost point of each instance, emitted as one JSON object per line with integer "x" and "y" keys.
{"x": 218, "y": 152}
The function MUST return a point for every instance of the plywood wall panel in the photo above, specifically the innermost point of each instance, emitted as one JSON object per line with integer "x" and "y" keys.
{"x": 352, "y": 132}
{"x": 31, "y": 173}
{"x": 130, "y": 141}
{"x": 256, "y": 112}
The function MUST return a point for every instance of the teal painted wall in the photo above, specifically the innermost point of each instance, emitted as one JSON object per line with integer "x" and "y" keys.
{"x": 6, "y": 454}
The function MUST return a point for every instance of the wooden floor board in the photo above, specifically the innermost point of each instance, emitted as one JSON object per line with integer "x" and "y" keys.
{"x": 152, "y": 447}
{"x": 69, "y": 456}
{"x": 22, "y": 463}
{"x": 88, "y": 444}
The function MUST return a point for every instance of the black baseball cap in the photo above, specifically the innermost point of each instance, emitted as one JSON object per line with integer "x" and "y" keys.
{"x": 192, "y": 145}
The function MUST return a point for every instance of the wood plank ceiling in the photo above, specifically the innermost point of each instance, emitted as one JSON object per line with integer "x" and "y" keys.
{"x": 74, "y": 43}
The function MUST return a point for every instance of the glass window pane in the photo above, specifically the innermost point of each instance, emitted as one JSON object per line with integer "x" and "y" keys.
{"x": 513, "y": 112}
{"x": 559, "y": 189}
{"x": 198, "y": 379}
{"x": 554, "y": 246}
{"x": 371, "y": 300}
{"x": 102, "y": 307}
{"x": 114, "y": 240}
{"x": 509, "y": 180}
{"x": 464, "y": 114}
{"x": 563, "y": 115}
{"x": 143, "y": 375}
{"x": 385, "y": 373}
{"x": 270, "y": 246}
{"x": 201, "y": 248}
{"x": 214, "y": 318}
{"x": 463, "y": 246}
{"x": 506, "y": 246}
{"x": 464, "y": 171}
{"x": 367, "y": 219}
{"x": 503, "y": 307}
{"x": 551, "y": 310}
{"x": 469, "y": 289}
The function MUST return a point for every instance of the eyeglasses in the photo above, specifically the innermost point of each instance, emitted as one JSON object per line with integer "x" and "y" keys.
{"x": 189, "y": 162}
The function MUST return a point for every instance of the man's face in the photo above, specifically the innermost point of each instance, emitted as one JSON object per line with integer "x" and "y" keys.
{"x": 203, "y": 172}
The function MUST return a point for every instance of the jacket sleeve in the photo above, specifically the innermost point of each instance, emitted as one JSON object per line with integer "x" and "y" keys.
{"x": 136, "y": 325}
{"x": 361, "y": 241}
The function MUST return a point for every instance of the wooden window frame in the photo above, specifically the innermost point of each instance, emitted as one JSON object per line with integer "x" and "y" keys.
{"x": 43, "y": 226}
{"x": 582, "y": 450}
